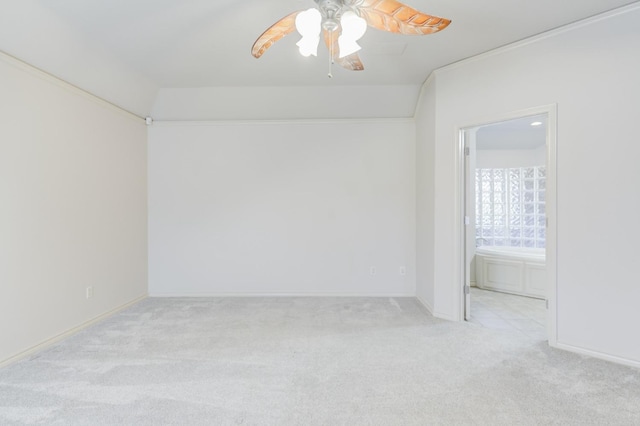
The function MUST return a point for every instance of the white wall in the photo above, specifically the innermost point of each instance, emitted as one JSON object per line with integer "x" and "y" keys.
{"x": 296, "y": 207}
{"x": 591, "y": 71}
{"x": 275, "y": 103}
{"x": 425, "y": 199}
{"x": 72, "y": 208}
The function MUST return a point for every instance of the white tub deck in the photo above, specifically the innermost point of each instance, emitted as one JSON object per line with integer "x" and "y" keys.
{"x": 512, "y": 270}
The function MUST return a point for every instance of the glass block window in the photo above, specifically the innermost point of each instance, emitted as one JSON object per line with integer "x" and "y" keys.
{"x": 510, "y": 207}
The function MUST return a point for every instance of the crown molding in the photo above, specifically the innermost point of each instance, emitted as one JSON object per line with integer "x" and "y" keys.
{"x": 301, "y": 121}
{"x": 539, "y": 37}
{"x": 50, "y": 78}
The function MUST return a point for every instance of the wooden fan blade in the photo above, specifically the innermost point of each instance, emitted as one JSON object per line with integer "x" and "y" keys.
{"x": 350, "y": 62}
{"x": 395, "y": 17}
{"x": 274, "y": 33}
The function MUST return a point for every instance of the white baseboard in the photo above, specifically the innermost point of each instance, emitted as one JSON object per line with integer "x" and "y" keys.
{"x": 177, "y": 295}
{"x": 425, "y": 304}
{"x": 596, "y": 354}
{"x": 68, "y": 333}
{"x": 445, "y": 317}
{"x": 432, "y": 311}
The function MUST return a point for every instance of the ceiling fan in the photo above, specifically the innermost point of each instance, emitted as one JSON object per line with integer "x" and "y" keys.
{"x": 342, "y": 23}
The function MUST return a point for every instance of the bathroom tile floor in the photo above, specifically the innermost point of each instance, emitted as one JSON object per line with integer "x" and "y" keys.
{"x": 501, "y": 311}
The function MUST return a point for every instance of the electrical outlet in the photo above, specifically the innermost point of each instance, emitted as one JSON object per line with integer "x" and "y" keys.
{"x": 372, "y": 270}
{"x": 403, "y": 270}
{"x": 89, "y": 292}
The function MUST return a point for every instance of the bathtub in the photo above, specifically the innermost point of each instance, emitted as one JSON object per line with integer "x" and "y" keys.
{"x": 513, "y": 270}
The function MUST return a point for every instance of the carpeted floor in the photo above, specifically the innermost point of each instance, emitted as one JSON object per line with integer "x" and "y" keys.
{"x": 309, "y": 361}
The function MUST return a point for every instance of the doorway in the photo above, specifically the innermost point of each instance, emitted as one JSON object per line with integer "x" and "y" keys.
{"x": 508, "y": 230}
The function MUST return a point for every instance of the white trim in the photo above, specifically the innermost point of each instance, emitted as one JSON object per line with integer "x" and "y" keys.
{"x": 542, "y": 36}
{"x": 301, "y": 121}
{"x": 498, "y": 118}
{"x": 251, "y": 295}
{"x": 447, "y": 317}
{"x": 596, "y": 354}
{"x": 50, "y": 78}
{"x": 425, "y": 304}
{"x": 432, "y": 311}
{"x": 68, "y": 333}
{"x": 459, "y": 229}
{"x": 551, "y": 213}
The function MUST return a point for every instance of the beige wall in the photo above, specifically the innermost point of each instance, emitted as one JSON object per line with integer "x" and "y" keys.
{"x": 72, "y": 208}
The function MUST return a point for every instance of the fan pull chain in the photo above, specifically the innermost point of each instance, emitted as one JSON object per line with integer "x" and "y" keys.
{"x": 330, "y": 75}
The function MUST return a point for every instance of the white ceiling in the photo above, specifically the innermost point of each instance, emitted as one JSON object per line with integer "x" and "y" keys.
{"x": 111, "y": 47}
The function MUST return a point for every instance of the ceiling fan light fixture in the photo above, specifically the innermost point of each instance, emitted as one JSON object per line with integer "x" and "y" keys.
{"x": 308, "y": 46}
{"x": 308, "y": 24}
{"x": 353, "y": 28}
{"x": 347, "y": 47}
{"x": 342, "y": 23}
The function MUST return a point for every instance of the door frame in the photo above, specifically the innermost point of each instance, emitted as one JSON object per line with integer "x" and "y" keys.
{"x": 468, "y": 169}
{"x": 551, "y": 111}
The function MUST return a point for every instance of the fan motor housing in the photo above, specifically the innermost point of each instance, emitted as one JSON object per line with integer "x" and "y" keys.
{"x": 333, "y": 9}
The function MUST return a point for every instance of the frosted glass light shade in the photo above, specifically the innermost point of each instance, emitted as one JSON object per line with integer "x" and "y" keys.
{"x": 308, "y": 24}
{"x": 353, "y": 28}
{"x": 308, "y": 45}
{"x": 347, "y": 47}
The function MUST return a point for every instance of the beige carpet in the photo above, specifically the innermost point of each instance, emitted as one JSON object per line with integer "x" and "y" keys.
{"x": 309, "y": 361}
